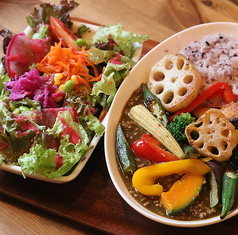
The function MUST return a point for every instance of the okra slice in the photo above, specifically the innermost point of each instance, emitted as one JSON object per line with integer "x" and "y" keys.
{"x": 229, "y": 185}
{"x": 153, "y": 103}
{"x": 124, "y": 153}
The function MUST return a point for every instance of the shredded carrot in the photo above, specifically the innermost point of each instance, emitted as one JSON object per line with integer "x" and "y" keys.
{"x": 83, "y": 81}
{"x": 69, "y": 62}
{"x": 95, "y": 79}
{"x": 103, "y": 114}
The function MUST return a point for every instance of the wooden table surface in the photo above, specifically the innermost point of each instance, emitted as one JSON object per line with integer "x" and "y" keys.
{"x": 25, "y": 209}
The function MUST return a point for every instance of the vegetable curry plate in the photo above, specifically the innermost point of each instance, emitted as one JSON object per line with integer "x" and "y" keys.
{"x": 137, "y": 176}
{"x": 54, "y": 136}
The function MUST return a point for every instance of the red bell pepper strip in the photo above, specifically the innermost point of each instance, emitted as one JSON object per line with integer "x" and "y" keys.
{"x": 221, "y": 88}
{"x": 148, "y": 148}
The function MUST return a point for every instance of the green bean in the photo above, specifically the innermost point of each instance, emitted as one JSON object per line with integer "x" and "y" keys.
{"x": 229, "y": 184}
{"x": 124, "y": 153}
{"x": 153, "y": 103}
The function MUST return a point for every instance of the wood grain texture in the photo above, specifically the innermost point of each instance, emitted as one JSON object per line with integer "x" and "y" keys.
{"x": 185, "y": 13}
{"x": 91, "y": 200}
{"x": 216, "y": 10}
{"x": 21, "y": 218}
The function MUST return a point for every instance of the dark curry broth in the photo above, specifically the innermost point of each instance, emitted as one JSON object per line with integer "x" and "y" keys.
{"x": 198, "y": 210}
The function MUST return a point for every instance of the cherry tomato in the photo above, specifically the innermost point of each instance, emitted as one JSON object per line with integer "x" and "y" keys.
{"x": 63, "y": 33}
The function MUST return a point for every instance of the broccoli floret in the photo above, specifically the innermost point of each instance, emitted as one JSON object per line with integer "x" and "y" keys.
{"x": 178, "y": 125}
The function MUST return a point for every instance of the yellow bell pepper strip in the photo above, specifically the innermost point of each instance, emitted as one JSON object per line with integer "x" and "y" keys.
{"x": 221, "y": 88}
{"x": 144, "y": 178}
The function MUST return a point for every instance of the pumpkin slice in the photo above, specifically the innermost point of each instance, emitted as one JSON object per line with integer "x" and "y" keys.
{"x": 182, "y": 194}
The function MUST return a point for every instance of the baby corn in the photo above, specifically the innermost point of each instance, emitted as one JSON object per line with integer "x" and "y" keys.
{"x": 145, "y": 118}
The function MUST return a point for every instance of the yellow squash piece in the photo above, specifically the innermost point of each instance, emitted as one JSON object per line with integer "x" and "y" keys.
{"x": 182, "y": 194}
{"x": 144, "y": 178}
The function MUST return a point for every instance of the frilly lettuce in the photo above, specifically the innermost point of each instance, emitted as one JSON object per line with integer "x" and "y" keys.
{"x": 3, "y": 78}
{"x": 41, "y": 157}
{"x": 119, "y": 62}
{"x": 41, "y": 33}
{"x": 112, "y": 77}
{"x": 42, "y": 15}
{"x": 58, "y": 129}
{"x": 100, "y": 56}
{"x": 43, "y": 160}
{"x": 124, "y": 39}
{"x": 12, "y": 133}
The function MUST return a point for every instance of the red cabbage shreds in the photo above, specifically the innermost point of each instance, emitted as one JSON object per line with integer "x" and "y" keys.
{"x": 22, "y": 52}
{"x": 34, "y": 86}
{"x": 44, "y": 95}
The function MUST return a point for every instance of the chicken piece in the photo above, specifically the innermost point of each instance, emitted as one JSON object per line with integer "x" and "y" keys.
{"x": 212, "y": 135}
{"x": 175, "y": 81}
{"x": 230, "y": 110}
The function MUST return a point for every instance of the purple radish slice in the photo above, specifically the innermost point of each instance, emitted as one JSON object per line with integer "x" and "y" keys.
{"x": 23, "y": 52}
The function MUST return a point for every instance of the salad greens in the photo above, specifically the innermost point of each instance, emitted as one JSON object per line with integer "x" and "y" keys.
{"x": 123, "y": 40}
{"x": 42, "y": 15}
{"x": 115, "y": 72}
{"x": 50, "y": 111}
{"x": 43, "y": 160}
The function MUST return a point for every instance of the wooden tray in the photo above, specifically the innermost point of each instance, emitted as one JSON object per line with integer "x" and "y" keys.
{"x": 92, "y": 199}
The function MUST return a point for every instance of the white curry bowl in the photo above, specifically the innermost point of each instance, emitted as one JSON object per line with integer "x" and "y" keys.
{"x": 139, "y": 75}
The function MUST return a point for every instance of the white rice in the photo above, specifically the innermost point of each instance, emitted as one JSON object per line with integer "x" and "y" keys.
{"x": 216, "y": 58}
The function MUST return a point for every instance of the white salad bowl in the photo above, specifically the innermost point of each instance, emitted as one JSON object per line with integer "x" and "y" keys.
{"x": 63, "y": 179}
{"x": 139, "y": 75}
